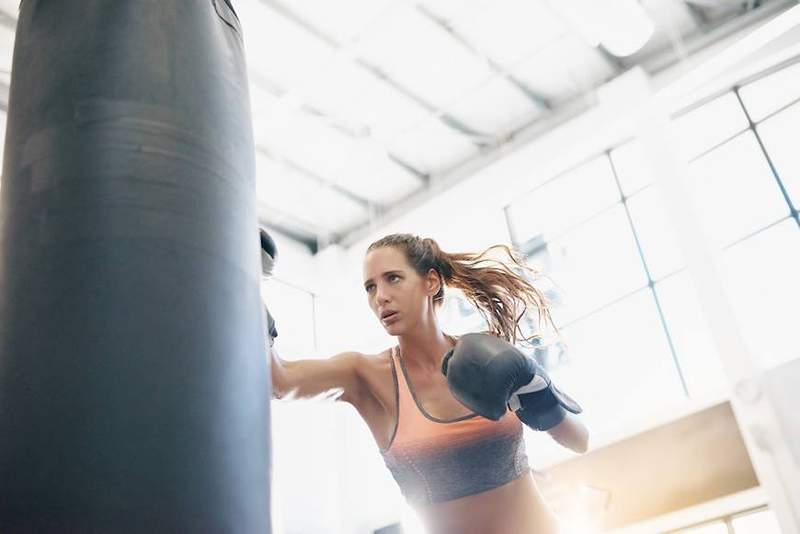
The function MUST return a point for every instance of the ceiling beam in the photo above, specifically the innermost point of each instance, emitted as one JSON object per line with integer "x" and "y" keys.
{"x": 539, "y": 99}
{"x": 296, "y": 167}
{"x": 448, "y": 120}
{"x": 423, "y": 177}
{"x": 698, "y": 16}
{"x": 452, "y": 122}
{"x": 616, "y": 63}
{"x": 715, "y": 32}
{"x": 448, "y": 179}
{"x": 8, "y": 20}
{"x": 564, "y": 112}
{"x": 4, "y": 92}
{"x": 290, "y": 226}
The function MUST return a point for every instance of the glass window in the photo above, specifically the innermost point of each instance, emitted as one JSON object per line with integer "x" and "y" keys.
{"x": 619, "y": 365}
{"x": 761, "y": 522}
{"x": 699, "y": 360}
{"x": 761, "y": 274}
{"x": 709, "y": 125}
{"x": 717, "y": 527}
{"x": 293, "y": 309}
{"x": 458, "y": 316}
{"x": 780, "y": 134}
{"x": 593, "y": 264}
{"x": 656, "y": 233}
{"x": 770, "y": 93}
{"x": 735, "y": 190}
{"x": 632, "y": 169}
{"x": 565, "y": 201}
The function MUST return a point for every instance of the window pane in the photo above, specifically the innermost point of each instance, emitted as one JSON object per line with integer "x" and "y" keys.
{"x": 458, "y": 316}
{"x": 762, "y": 522}
{"x": 656, "y": 233}
{"x": 764, "y": 96}
{"x": 762, "y": 278}
{"x": 780, "y": 134}
{"x": 697, "y": 353}
{"x": 593, "y": 264}
{"x": 735, "y": 190}
{"x": 620, "y": 364}
{"x": 293, "y": 309}
{"x": 632, "y": 170}
{"x": 565, "y": 201}
{"x": 711, "y": 528}
{"x": 709, "y": 125}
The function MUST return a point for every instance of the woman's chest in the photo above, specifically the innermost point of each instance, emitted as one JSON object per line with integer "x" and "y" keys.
{"x": 385, "y": 387}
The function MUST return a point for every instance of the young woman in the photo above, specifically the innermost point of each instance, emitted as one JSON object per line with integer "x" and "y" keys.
{"x": 463, "y": 473}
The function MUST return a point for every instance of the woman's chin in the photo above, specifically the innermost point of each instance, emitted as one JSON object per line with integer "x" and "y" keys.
{"x": 393, "y": 329}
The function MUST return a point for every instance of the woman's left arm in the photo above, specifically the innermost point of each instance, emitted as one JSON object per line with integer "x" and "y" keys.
{"x": 571, "y": 433}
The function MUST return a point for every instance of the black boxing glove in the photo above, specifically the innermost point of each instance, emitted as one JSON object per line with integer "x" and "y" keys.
{"x": 489, "y": 375}
{"x": 268, "y": 254}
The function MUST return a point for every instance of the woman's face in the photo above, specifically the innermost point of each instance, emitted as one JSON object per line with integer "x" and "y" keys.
{"x": 398, "y": 296}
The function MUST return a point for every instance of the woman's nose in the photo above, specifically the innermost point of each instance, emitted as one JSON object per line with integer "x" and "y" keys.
{"x": 381, "y": 295}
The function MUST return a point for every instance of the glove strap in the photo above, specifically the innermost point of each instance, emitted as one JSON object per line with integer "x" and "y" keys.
{"x": 538, "y": 383}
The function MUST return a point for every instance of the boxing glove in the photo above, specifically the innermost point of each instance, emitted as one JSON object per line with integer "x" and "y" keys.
{"x": 489, "y": 376}
{"x": 268, "y": 254}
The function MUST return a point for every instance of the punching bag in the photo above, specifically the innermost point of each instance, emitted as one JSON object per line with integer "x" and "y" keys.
{"x": 134, "y": 389}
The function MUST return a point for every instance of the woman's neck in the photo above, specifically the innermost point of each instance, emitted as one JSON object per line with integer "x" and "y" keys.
{"x": 425, "y": 348}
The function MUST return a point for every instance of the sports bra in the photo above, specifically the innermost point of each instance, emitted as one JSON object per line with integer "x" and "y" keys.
{"x": 435, "y": 460}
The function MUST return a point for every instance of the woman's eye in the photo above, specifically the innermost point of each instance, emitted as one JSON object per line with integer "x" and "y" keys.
{"x": 369, "y": 288}
{"x": 393, "y": 277}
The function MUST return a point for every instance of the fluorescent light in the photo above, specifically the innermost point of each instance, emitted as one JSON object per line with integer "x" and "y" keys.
{"x": 621, "y": 26}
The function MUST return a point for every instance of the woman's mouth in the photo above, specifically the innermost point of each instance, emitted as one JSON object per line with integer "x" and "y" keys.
{"x": 389, "y": 317}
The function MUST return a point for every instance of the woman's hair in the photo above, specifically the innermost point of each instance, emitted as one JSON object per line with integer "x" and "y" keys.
{"x": 497, "y": 287}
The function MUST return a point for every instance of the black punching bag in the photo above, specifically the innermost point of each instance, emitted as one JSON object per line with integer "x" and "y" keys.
{"x": 134, "y": 389}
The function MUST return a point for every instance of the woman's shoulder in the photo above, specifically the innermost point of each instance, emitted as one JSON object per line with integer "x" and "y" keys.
{"x": 376, "y": 364}
{"x": 379, "y": 359}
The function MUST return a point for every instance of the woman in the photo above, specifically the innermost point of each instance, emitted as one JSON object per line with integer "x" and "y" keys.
{"x": 462, "y": 473}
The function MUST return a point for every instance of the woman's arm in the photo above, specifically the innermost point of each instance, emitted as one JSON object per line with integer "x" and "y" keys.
{"x": 336, "y": 378}
{"x": 571, "y": 433}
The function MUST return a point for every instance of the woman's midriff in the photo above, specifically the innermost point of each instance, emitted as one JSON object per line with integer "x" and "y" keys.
{"x": 514, "y": 508}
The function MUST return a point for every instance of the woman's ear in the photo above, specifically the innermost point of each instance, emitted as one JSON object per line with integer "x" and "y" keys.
{"x": 433, "y": 282}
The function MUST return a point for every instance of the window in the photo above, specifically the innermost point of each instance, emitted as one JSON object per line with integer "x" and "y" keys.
{"x": 772, "y": 92}
{"x": 626, "y": 307}
{"x": 711, "y": 528}
{"x": 594, "y": 264}
{"x": 566, "y": 201}
{"x": 759, "y": 522}
{"x": 458, "y": 316}
{"x": 631, "y": 167}
{"x": 710, "y": 124}
{"x": 620, "y": 360}
{"x": 780, "y": 134}
{"x": 697, "y": 354}
{"x": 735, "y": 191}
{"x": 761, "y": 277}
{"x": 656, "y": 235}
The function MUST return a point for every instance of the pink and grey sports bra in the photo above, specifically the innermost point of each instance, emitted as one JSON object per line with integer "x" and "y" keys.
{"x": 435, "y": 460}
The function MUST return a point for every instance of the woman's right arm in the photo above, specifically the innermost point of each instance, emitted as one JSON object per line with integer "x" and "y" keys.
{"x": 336, "y": 378}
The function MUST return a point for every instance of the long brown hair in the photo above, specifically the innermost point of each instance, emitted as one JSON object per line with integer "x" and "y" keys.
{"x": 498, "y": 287}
